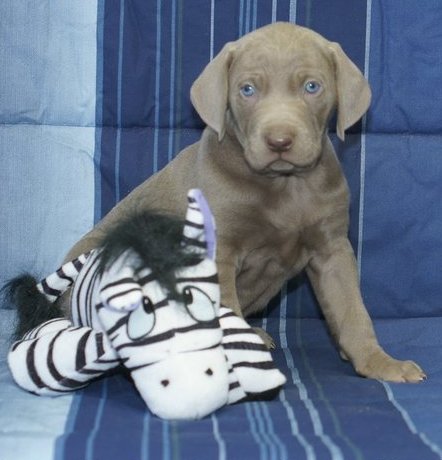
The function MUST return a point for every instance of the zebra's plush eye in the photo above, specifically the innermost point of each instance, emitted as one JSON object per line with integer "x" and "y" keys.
{"x": 141, "y": 321}
{"x": 147, "y": 305}
{"x": 199, "y": 305}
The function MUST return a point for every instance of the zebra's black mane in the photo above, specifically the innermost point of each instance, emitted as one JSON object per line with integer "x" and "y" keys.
{"x": 157, "y": 239}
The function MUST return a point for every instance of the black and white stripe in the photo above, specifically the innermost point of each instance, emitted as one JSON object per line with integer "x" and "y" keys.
{"x": 252, "y": 370}
{"x": 54, "y": 285}
{"x": 44, "y": 363}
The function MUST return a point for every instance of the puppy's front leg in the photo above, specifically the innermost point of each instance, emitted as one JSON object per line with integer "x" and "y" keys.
{"x": 334, "y": 277}
{"x": 226, "y": 264}
{"x": 229, "y": 296}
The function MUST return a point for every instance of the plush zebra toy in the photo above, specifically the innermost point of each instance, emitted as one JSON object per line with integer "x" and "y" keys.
{"x": 157, "y": 314}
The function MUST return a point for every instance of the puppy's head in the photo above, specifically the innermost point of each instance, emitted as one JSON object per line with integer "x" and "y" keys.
{"x": 275, "y": 89}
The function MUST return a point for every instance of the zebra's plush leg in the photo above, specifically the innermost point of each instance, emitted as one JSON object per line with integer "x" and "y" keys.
{"x": 252, "y": 372}
{"x": 57, "y": 358}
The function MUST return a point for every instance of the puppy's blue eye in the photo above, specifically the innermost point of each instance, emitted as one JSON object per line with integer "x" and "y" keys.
{"x": 248, "y": 90}
{"x": 312, "y": 87}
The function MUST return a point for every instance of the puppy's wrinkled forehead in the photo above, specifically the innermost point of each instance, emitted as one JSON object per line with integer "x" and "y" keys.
{"x": 282, "y": 46}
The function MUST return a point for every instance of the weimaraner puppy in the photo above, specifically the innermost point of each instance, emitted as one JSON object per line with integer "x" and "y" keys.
{"x": 269, "y": 171}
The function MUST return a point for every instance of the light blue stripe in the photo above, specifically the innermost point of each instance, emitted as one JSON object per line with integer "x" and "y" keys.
{"x": 256, "y": 435}
{"x": 318, "y": 428}
{"x": 241, "y": 18}
{"x": 220, "y": 441}
{"x": 408, "y": 421}
{"x": 145, "y": 437}
{"x": 170, "y": 149}
{"x": 292, "y": 11}
{"x": 166, "y": 440}
{"x": 274, "y": 10}
{"x": 255, "y": 14}
{"x": 248, "y": 15}
{"x": 157, "y": 88}
{"x": 119, "y": 103}
{"x": 361, "y": 203}
{"x": 363, "y": 143}
{"x": 262, "y": 431}
{"x": 98, "y": 417}
{"x": 294, "y": 426}
{"x": 270, "y": 429}
{"x": 212, "y": 28}
{"x": 265, "y": 315}
{"x": 367, "y": 39}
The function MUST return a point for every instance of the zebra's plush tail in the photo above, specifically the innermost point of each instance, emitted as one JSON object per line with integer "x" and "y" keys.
{"x": 32, "y": 306}
{"x": 35, "y": 301}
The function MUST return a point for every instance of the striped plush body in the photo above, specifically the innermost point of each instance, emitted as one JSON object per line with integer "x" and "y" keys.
{"x": 187, "y": 354}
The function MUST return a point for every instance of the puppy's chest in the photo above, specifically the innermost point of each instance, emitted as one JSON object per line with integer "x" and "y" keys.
{"x": 283, "y": 247}
{"x": 275, "y": 239}
{"x": 284, "y": 234}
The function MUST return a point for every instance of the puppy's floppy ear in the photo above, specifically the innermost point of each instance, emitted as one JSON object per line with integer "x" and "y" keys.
{"x": 209, "y": 92}
{"x": 353, "y": 91}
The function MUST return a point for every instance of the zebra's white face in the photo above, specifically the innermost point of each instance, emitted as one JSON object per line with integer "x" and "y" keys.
{"x": 137, "y": 312}
{"x": 172, "y": 349}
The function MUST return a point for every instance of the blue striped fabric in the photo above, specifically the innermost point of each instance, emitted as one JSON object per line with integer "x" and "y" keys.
{"x": 325, "y": 411}
{"x": 117, "y": 109}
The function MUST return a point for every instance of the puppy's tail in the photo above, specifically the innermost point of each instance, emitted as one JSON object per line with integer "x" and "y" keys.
{"x": 32, "y": 306}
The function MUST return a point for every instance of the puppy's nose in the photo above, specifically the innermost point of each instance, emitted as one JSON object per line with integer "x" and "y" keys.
{"x": 279, "y": 143}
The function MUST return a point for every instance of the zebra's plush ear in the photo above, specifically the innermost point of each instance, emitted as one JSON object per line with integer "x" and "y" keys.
{"x": 199, "y": 229}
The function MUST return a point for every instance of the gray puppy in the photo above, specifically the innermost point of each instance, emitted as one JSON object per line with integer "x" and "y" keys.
{"x": 270, "y": 174}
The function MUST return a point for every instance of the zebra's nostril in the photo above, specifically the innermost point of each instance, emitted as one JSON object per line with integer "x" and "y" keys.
{"x": 165, "y": 382}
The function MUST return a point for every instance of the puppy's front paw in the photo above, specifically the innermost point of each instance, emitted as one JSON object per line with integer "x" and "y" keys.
{"x": 267, "y": 338}
{"x": 381, "y": 366}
